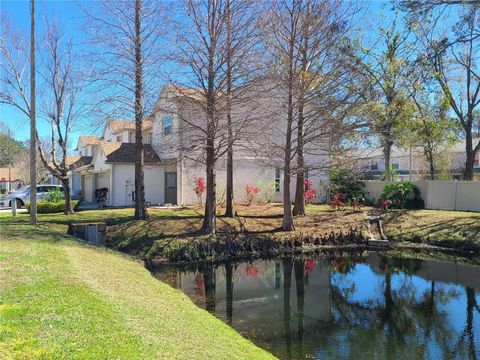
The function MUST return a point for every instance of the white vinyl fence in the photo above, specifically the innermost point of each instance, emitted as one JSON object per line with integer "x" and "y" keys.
{"x": 441, "y": 195}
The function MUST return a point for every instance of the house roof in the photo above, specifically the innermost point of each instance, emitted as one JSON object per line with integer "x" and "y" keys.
{"x": 14, "y": 173}
{"x": 117, "y": 152}
{"x": 75, "y": 161}
{"x": 89, "y": 140}
{"x": 119, "y": 125}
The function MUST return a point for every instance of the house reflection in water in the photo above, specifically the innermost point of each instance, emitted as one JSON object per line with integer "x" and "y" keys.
{"x": 342, "y": 307}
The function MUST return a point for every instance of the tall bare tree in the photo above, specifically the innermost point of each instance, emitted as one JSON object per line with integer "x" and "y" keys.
{"x": 33, "y": 127}
{"x": 18, "y": 87}
{"x": 126, "y": 51}
{"x": 322, "y": 88}
{"x": 282, "y": 41}
{"x": 63, "y": 84}
{"x": 214, "y": 43}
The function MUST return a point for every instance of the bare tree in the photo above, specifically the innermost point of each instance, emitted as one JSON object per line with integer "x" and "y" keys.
{"x": 323, "y": 98}
{"x": 214, "y": 49}
{"x": 125, "y": 36}
{"x": 15, "y": 87}
{"x": 63, "y": 83}
{"x": 33, "y": 127}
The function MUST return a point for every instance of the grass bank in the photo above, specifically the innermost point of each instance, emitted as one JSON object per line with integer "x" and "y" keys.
{"x": 63, "y": 299}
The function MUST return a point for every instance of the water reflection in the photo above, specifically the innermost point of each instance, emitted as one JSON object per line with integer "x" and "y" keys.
{"x": 343, "y": 307}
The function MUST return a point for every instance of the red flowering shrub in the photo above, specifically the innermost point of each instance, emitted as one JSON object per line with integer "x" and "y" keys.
{"x": 310, "y": 194}
{"x": 252, "y": 191}
{"x": 356, "y": 205}
{"x": 338, "y": 201}
{"x": 309, "y": 266}
{"x": 251, "y": 270}
{"x": 199, "y": 188}
{"x": 384, "y": 204}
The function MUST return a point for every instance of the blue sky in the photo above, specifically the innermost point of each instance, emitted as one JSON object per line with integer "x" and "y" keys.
{"x": 69, "y": 15}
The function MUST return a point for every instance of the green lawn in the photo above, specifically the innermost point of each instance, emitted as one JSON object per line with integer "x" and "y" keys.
{"x": 453, "y": 229}
{"x": 63, "y": 299}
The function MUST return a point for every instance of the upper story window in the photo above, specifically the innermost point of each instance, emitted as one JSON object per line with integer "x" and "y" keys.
{"x": 81, "y": 153}
{"x": 373, "y": 166}
{"x": 167, "y": 125}
{"x": 148, "y": 137}
{"x": 119, "y": 138}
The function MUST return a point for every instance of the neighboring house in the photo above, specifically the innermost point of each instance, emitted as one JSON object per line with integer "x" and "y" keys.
{"x": 10, "y": 179}
{"x": 370, "y": 161}
{"x": 174, "y": 158}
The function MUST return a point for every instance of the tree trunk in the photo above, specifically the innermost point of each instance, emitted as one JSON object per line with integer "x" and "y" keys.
{"x": 209, "y": 225}
{"x": 299, "y": 207}
{"x": 432, "y": 167}
{"x": 287, "y": 222}
{"x": 229, "y": 195}
{"x": 387, "y": 150}
{"x": 470, "y": 156}
{"x": 210, "y": 218}
{"x": 33, "y": 131}
{"x": 140, "y": 207}
{"x": 68, "y": 198}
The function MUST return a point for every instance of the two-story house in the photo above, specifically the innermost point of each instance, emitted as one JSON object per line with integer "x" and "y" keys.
{"x": 174, "y": 152}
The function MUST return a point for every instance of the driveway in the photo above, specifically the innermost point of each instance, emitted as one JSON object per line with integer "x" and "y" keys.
{"x": 7, "y": 209}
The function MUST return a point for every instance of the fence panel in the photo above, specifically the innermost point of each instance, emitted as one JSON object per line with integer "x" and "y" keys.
{"x": 441, "y": 195}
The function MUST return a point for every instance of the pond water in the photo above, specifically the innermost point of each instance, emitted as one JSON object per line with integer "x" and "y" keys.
{"x": 342, "y": 307}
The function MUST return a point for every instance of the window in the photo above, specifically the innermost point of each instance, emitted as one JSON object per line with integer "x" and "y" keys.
{"x": 395, "y": 166}
{"x": 148, "y": 138}
{"x": 81, "y": 153}
{"x": 167, "y": 125}
{"x": 305, "y": 174}
{"x": 373, "y": 166}
{"x": 119, "y": 138}
{"x": 277, "y": 180}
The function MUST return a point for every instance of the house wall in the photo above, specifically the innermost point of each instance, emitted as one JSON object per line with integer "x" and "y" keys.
{"x": 441, "y": 195}
{"x": 246, "y": 172}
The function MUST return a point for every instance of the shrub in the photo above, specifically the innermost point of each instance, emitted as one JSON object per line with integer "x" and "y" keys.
{"x": 346, "y": 183}
{"x": 55, "y": 195}
{"x": 199, "y": 188}
{"x": 252, "y": 191}
{"x": 310, "y": 194}
{"x": 3, "y": 191}
{"x": 267, "y": 192}
{"x": 401, "y": 195}
{"x": 49, "y": 207}
{"x": 338, "y": 201}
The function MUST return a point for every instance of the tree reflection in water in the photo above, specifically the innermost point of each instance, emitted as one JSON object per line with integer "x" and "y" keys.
{"x": 342, "y": 307}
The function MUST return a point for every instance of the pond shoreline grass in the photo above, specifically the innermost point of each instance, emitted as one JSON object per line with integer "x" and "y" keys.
{"x": 65, "y": 299}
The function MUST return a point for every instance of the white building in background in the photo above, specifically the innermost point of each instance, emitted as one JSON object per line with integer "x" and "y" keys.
{"x": 173, "y": 156}
{"x": 412, "y": 163}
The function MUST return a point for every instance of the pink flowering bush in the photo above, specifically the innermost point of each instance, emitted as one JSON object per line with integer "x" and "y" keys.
{"x": 199, "y": 188}
{"x": 310, "y": 194}
{"x": 252, "y": 191}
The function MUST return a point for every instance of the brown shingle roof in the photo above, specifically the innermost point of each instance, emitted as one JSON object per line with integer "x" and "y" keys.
{"x": 117, "y": 152}
{"x": 14, "y": 173}
{"x": 75, "y": 161}
{"x": 89, "y": 140}
{"x": 119, "y": 125}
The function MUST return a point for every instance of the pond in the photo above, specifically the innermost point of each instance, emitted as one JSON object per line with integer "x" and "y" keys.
{"x": 342, "y": 307}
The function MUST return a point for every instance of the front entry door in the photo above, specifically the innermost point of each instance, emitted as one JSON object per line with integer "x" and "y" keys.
{"x": 171, "y": 188}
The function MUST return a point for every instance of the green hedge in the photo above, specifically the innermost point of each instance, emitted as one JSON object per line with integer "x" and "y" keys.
{"x": 48, "y": 207}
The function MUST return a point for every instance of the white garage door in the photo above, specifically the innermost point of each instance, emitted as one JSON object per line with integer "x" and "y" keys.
{"x": 88, "y": 188}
